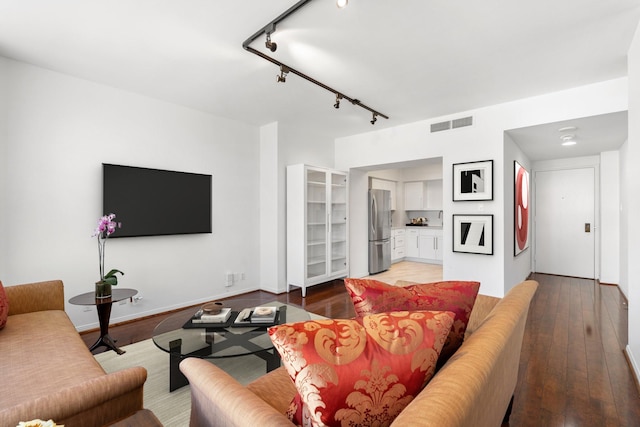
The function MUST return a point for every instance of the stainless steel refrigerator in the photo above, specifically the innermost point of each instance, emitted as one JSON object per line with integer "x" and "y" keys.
{"x": 379, "y": 230}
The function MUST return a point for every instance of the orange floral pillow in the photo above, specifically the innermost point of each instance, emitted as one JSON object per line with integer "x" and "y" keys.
{"x": 360, "y": 371}
{"x": 372, "y": 296}
{"x": 4, "y": 307}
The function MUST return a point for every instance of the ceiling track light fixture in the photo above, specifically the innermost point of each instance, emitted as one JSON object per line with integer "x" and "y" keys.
{"x": 282, "y": 78}
{"x": 269, "y": 29}
{"x": 272, "y": 46}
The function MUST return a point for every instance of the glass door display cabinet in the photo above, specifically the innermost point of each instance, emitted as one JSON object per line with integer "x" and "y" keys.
{"x": 317, "y": 230}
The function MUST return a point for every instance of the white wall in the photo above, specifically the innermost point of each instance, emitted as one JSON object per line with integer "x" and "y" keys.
{"x": 3, "y": 165}
{"x": 633, "y": 203}
{"x": 59, "y": 131}
{"x": 268, "y": 218}
{"x": 610, "y": 218}
{"x": 625, "y": 177}
{"x": 482, "y": 141}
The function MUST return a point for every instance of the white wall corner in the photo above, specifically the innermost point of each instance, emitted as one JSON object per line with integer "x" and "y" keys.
{"x": 268, "y": 215}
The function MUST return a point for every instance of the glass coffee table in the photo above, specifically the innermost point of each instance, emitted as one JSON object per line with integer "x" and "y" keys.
{"x": 181, "y": 338}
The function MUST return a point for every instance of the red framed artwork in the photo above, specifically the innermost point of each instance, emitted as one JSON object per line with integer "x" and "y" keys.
{"x": 522, "y": 211}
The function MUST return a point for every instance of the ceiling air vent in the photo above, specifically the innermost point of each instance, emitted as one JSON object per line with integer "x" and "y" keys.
{"x": 437, "y": 127}
{"x": 465, "y": 121}
{"x": 453, "y": 124}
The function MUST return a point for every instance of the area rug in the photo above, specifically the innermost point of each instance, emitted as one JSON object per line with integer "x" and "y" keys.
{"x": 173, "y": 408}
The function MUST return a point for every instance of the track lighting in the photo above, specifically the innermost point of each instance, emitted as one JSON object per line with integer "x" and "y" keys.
{"x": 338, "y": 98}
{"x": 272, "y": 46}
{"x": 285, "y": 69}
{"x": 282, "y": 78}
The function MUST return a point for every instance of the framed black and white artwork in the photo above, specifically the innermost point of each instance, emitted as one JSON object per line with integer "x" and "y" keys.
{"x": 473, "y": 234}
{"x": 473, "y": 181}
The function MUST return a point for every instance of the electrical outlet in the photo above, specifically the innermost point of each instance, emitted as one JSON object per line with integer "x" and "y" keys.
{"x": 228, "y": 280}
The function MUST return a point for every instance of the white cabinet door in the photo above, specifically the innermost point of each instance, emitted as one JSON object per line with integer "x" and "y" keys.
{"x": 412, "y": 248}
{"x": 430, "y": 245}
{"x": 434, "y": 195}
{"x": 438, "y": 248}
{"x": 427, "y": 246}
{"x": 338, "y": 224}
{"x": 414, "y": 196}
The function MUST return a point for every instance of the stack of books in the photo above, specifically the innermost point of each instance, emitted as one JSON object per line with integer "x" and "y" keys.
{"x": 264, "y": 315}
{"x": 221, "y": 317}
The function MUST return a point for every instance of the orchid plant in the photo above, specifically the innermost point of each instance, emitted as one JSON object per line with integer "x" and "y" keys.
{"x": 106, "y": 227}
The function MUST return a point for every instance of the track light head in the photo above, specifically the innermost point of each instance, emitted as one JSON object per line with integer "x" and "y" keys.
{"x": 338, "y": 98}
{"x": 272, "y": 46}
{"x": 282, "y": 78}
{"x": 374, "y": 119}
{"x": 342, "y": 3}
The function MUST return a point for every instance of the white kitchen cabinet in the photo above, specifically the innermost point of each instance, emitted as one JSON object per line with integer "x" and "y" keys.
{"x": 397, "y": 244}
{"x": 317, "y": 209}
{"x": 430, "y": 244}
{"x": 423, "y": 195}
{"x": 411, "y": 243}
{"x": 414, "y": 196}
{"x": 433, "y": 191}
{"x": 383, "y": 184}
{"x": 424, "y": 244}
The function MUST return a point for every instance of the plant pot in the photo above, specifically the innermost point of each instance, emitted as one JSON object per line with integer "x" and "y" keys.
{"x": 103, "y": 290}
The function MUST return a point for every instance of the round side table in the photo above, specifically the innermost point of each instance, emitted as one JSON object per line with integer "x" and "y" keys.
{"x": 103, "y": 306}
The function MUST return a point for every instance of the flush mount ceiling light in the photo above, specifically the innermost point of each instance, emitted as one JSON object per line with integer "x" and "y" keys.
{"x": 342, "y": 3}
{"x": 269, "y": 29}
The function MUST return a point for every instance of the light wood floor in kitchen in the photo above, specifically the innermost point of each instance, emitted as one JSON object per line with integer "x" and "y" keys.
{"x": 410, "y": 271}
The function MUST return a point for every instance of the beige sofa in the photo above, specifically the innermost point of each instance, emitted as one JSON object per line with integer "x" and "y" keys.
{"x": 47, "y": 371}
{"x": 474, "y": 388}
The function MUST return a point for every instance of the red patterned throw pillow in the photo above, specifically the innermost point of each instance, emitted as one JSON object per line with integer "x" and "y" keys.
{"x": 362, "y": 371}
{"x": 372, "y": 296}
{"x": 4, "y": 307}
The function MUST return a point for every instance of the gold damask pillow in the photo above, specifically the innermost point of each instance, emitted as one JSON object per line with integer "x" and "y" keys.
{"x": 362, "y": 371}
{"x": 372, "y": 296}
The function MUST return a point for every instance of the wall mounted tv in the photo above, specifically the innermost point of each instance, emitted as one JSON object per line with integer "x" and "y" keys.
{"x": 153, "y": 202}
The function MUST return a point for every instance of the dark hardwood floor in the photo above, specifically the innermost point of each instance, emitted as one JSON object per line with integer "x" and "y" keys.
{"x": 573, "y": 371}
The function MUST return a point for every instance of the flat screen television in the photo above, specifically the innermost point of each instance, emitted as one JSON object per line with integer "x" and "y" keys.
{"x": 154, "y": 202}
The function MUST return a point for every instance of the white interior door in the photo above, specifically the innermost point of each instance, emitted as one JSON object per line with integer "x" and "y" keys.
{"x": 565, "y": 214}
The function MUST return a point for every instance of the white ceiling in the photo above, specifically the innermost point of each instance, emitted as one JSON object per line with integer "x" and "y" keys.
{"x": 409, "y": 59}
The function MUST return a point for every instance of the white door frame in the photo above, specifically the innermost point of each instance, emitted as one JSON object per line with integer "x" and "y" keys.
{"x": 566, "y": 164}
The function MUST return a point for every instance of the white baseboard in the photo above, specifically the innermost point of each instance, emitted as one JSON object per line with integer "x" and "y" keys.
{"x": 634, "y": 365}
